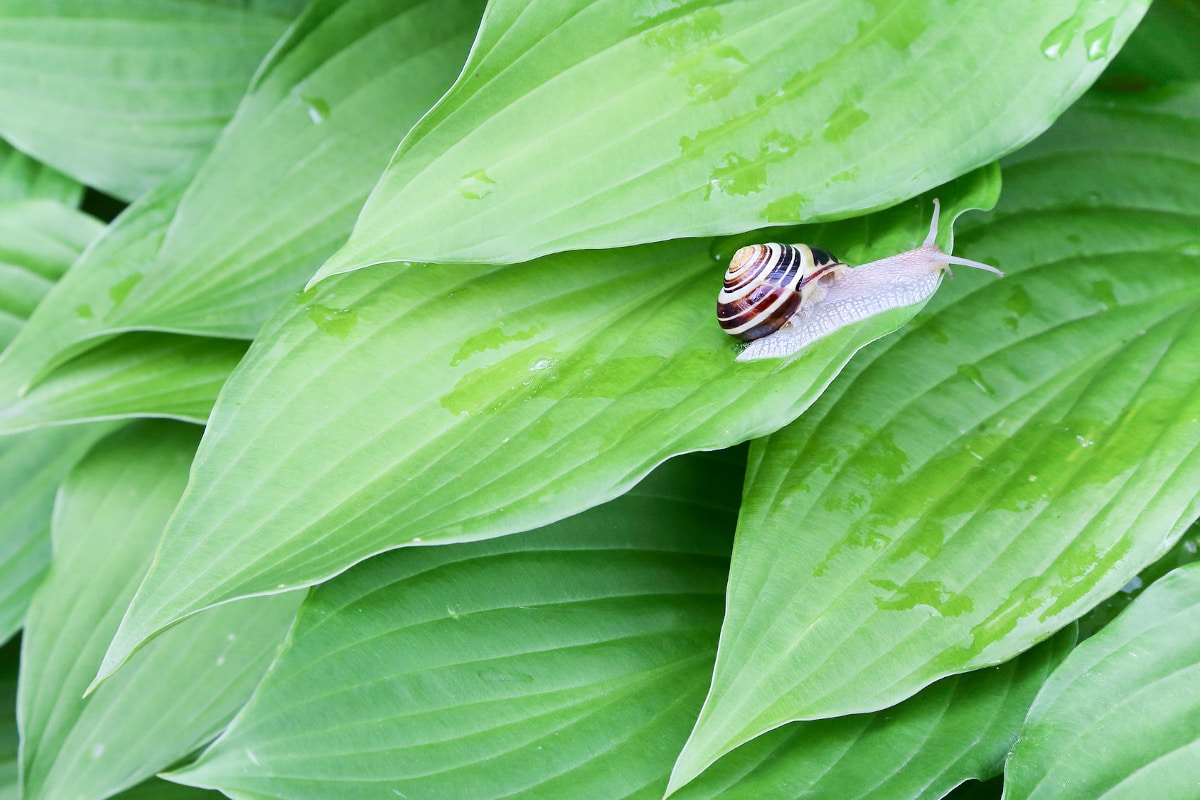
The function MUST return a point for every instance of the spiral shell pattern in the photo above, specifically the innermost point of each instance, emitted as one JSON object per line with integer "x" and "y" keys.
{"x": 766, "y": 284}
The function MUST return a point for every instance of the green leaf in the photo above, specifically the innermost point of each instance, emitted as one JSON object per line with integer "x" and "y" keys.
{"x": 566, "y": 662}
{"x": 157, "y": 789}
{"x": 119, "y": 93}
{"x": 1119, "y": 716}
{"x": 24, "y": 178}
{"x": 39, "y": 239}
{"x": 1163, "y": 49}
{"x": 31, "y": 466}
{"x": 600, "y": 123}
{"x": 133, "y": 375}
{"x": 967, "y": 488}
{"x": 1185, "y": 551}
{"x": 429, "y": 404}
{"x": 961, "y": 727}
{"x": 218, "y": 253}
{"x": 177, "y": 693}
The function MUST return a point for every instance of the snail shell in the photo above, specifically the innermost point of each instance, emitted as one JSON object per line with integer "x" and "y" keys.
{"x": 766, "y": 284}
{"x": 780, "y": 298}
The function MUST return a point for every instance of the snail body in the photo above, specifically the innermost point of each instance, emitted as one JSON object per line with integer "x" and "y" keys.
{"x": 780, "y": 297}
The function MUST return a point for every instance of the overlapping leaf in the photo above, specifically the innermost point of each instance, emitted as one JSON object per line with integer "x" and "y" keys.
{"x": 1118, "y": 718}
{"x": 119, "y": 93}
{"x": 25, "y": 178}
{"x": 597, "y": 124}
{"x": 133, "y": 375}
{"x": 567, "y": 662}
{"x": 176, "y": 693}
{"x": 968, "y": 488}
{"x": 39, "y": 239}
{"x": 960, "y": 728}
{"x": 31, "y": 466}
{"x": 217, "y": 253}
{"x": 1163, "y": 49}
{"x": 427, "y": 404}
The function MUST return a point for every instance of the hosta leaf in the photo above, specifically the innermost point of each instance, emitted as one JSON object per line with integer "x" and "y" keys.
{"x": 158, "y": 789}
{"x": 119, "y": 93}
{"x": 279, "y": 192}
{"x": 38, "y": 241}
{"x": 966, "y": 489}
{"x": 1119, "y": 718}
{"x": 25, "y": 178}
{"x": 961, "y": 727}
{"x": 433, "y": 404}
{"x": 176, "y": 693}
{"x": 1162, "y": 49}
{"x": 1185, "y": 551}
{"x": 598, "y": 123}
{"x": 31, "y": 466}
{"x": 133, "y": 375}
{"x": 566, "y": 662}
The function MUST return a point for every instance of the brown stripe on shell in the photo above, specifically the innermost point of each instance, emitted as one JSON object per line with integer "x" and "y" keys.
{"x": 764, "y": 287}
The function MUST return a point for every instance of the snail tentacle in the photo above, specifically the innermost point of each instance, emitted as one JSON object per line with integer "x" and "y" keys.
{"x": 774, "y": 295}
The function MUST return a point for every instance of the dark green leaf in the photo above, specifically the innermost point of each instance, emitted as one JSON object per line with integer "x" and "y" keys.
{"x": 566, "y": 662}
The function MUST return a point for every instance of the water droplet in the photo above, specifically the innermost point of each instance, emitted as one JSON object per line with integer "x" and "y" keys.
{"x": 541, "y": 363}
{"x": 1084, "y": 441}
{"x": 121, "y": 289}
{"x": 317, "y": 108}
{"x": 1057, "y": 41}
{"x": 97, "y": 751}
{"x": 333, "y": 321}
{"x": 975, "y": 376}
{"x": 1098, "y": 39}
{"x": 475, "y": 185}
{"x": 1135, "y": 584}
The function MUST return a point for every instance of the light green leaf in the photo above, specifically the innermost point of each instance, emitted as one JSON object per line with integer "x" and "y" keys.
{"x": 24, "y": 178}
{"x": 430, "y": 404}
{"x": 967, "y": 488}
{"x": 961, "y": 727}
{"x": 566, "y": 662}
{"x": 217, "y": 254}
{"x": 39, "y": 239}
{"x": 604, "y": 123}
{"x": 1118, "y": 718}
{"x": 133, "y": 375}
{"x": 120, "y": 93}
{"x": 31, "y": 466}
{"x": 175, "y": 694}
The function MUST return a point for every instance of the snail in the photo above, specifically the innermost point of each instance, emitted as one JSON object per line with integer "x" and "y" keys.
{"x": 780, "y": 297}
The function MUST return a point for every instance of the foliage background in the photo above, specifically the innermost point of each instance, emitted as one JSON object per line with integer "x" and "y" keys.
{"x": 365, "y": 431}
